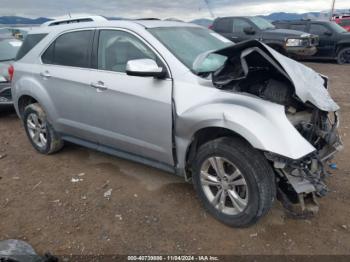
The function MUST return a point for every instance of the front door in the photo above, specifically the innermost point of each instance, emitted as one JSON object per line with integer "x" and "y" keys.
{"x": 327, "y": 43}
{"x": 131, "y": 114}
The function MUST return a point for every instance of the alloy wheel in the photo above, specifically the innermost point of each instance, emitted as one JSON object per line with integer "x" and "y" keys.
{"x": 224, "y": 185}
{"x": 345, "y": 57}
{"x": 37, "y": 130}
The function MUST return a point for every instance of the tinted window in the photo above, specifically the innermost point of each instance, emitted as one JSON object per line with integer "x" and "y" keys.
{"x": 223, "y": 25}
{"x": 70, "y": 49}
{"x": 345, "y": 22}
{"x": 116, "y": 48}
{"x": 298, "y": 27}
{"x": 239, "y": 25}
{"x": 261, "y": 23}
{"x": 28, "y": 44}
{"x": 9, "y": 49}
{"x": 318, "y": 29}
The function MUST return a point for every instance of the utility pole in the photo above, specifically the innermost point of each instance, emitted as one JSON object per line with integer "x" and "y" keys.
{"x": 209, "y": 8}
{"x": 332, "y": 10}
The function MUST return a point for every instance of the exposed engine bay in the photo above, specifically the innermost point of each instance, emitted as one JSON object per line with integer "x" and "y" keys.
{"x": 255, "y": 69}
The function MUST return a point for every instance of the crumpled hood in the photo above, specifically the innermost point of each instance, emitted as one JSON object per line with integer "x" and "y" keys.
{"x": 309, "y": 85}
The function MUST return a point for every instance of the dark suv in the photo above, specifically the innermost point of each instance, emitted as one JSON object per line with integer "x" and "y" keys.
{"x": 334, "y": 40}
{"x": 287, "y": 42}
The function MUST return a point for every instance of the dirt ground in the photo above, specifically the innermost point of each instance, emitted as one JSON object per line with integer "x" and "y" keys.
{"x": 149, "y": 211}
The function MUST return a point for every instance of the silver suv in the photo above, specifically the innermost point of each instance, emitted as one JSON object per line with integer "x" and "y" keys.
{"x": 243, "y": 123}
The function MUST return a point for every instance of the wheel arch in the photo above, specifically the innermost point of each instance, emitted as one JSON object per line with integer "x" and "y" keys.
{"x": 202, "y": 136}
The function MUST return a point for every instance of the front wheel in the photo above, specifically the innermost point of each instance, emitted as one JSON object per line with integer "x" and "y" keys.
{"x": 234, "y": 181}
{"x": 344, "y": 56}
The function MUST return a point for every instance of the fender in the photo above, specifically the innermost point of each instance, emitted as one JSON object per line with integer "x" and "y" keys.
{"x": 263, "y": 124}
{"x": 29, "y": 86}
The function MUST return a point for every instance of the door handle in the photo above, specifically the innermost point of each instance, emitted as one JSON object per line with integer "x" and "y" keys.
{"x": 45, "y": 74}
{"x": 100, "y": 86}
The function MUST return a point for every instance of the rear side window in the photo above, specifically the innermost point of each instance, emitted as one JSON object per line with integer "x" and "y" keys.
{"x": 28, "y": 44}
{"x": 70, "y": 49}
{"x": 223, "y": 25}
{"x": 298, "y": 27}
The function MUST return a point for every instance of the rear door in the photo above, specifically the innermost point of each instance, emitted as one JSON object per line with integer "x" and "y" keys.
{"x": 132, "y": 114}
{"x": 224, "y": 27}
{"x": 66, "y": 74}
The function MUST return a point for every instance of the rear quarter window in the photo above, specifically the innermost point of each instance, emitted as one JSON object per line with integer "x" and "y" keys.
{"x": 29, "y": 42}
{"x": 9, "y": 49}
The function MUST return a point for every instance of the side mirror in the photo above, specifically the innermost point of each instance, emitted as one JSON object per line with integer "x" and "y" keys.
{"x": 144, "y": 67}
{"x": 328, "y": 33}
{"x": 249, "y": 30}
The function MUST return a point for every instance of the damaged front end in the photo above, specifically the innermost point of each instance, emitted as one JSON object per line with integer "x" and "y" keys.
{"x": 301, "y": 181}
{"x": 255, "y": 69}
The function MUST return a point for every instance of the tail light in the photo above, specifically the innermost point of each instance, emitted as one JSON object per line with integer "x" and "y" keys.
{"x": 11, "y": 71}
{"x": 211, "y": 27}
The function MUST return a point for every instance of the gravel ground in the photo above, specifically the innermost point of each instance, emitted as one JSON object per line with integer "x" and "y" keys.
{"x": 83, "y": 202}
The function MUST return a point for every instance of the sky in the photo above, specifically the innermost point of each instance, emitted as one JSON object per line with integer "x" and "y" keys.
{"x": 181, "y": 9}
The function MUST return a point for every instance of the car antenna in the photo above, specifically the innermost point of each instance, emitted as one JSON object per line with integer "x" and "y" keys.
{"x": 332, "y": 10}
{"x": 209, "y": 8}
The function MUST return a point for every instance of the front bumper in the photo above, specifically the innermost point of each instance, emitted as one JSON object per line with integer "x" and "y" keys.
{"x": 301, "y": 51}
{"x": 307, "y": 48}
{"x": 5, "y": 94}
{"x": 301, "y": 181}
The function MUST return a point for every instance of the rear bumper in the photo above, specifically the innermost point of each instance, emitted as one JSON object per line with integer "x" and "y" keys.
{"x": 5, "y": 94}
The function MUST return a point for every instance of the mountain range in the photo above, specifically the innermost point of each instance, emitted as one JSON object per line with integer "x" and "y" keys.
{"x": 12, "y": 20}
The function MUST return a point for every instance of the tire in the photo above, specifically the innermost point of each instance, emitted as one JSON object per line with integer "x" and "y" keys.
{"x": 249, "y": 166}
{"x": 39, "y": 131}
{"x": 343, "y": 56}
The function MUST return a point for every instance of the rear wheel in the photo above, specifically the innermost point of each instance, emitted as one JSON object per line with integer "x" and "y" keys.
{"x": 234, "y": 181}
{"x": 39, "y": 131}
{"x": 344, "y": 56}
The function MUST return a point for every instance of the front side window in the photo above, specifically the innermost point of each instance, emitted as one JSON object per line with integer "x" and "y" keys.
{"x": 70, "y": 49}
{"x": 239, "y": 25}
{"x": 262, "y": 23}
{"x": 318, "y": 29}
{"x": 116, "y": 48}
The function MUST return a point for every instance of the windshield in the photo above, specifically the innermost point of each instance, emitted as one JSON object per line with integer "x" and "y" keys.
{"x": 9, "y": 49}
{"x": 188, "y": 43}
{"x": 337, "y": 28}
{"x": 262, "y": 23}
